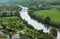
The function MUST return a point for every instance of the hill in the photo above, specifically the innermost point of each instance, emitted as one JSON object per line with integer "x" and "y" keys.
{"x": 30, "y": 2}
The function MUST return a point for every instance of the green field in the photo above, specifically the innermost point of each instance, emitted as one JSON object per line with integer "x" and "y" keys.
{"x": 53, "y": 14}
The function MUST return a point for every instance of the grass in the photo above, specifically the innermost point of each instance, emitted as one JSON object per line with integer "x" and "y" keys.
{"x": 54, "y": 14}
{"x": 2, "y": 37}
{"x": 12, "y": 17}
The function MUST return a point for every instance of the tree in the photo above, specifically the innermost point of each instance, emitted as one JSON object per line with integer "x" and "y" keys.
{"x": 4, "y": 26}
{"x": 4, "y": 14}
{"x": 33, "y": 8}
{"x": 47, "y": 20}
{"x": 53, "y": 32}
{"x": 41, "y": 31}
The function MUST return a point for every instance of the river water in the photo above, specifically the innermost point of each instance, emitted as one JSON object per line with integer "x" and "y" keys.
{"x": 34, "y": 23}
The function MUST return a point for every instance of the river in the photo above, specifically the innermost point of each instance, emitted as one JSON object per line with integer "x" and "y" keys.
{"x": 34, "y": 23}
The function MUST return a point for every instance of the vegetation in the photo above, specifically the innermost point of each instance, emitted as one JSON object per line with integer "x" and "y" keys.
{"x": 53, "y": 14}
{"x": 15, "y": 24}
{"x": 34, "y": 2}
{"x": 9, "y": 10}
{"x": 31, "y": 2}
{"x": 53, "y": 32}
{"x": 2, "y": 37}
{"x": 10, "y": 7}
{"x": 47, "y": 16}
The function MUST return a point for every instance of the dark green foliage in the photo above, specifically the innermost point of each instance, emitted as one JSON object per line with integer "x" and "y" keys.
{"x": 3, "y": 25}
{"x": 47, "y": 20}
{"x": 41, "y": 31}
{"x": 35, "y": 8}
{"x": 53, "y": 32}
{"x": 21, "y": 27}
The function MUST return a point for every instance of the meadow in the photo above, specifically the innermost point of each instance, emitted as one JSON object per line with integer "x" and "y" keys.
{"x": 52, "y": 13}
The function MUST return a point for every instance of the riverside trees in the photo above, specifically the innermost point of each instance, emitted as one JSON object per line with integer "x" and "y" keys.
{"x": 47, "y": 20}
{"x": 53, "y": 32}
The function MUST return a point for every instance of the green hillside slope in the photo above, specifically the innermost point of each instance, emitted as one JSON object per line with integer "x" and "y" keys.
{"x": 30, "y": 2}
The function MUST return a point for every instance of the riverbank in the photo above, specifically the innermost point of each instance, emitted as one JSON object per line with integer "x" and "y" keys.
{"x": 38, "y": 27}
{"x": 49, "y": 17}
